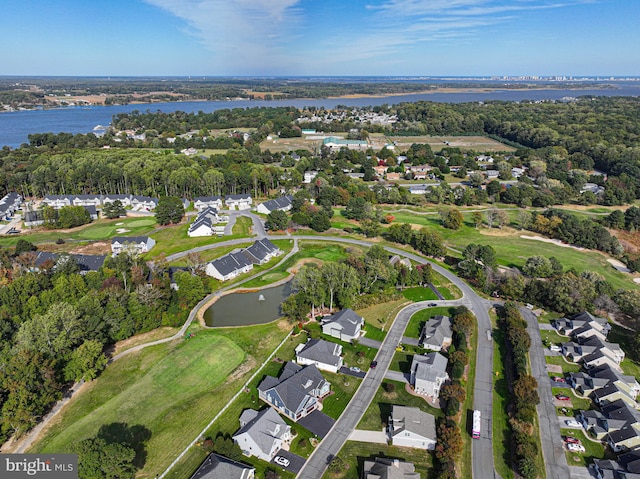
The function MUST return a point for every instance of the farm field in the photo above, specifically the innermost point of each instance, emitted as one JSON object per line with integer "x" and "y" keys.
{"x": 169, "y": 392}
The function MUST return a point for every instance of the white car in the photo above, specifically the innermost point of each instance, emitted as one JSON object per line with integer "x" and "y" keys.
{"x": 283, "y": 461}
{"x": 354, "y": 369}
{"x": 573, "y": 423}
{"x": 555, "y": 347}
{"x": 576, "y": 447}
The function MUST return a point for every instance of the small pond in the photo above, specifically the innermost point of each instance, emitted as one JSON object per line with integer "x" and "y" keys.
{"x": 242, "y": 309}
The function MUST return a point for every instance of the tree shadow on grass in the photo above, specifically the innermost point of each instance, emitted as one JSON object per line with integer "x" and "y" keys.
{"x": 135, "y": 437}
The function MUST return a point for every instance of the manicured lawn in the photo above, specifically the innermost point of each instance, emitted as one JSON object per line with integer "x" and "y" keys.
{"x": 169, "y": 391}
{"x": 374, "y": 333}
{"x": 243, "y": 226}
{"x": 381, "y": 315}
{"x": 379, "y": 410}
{"x": 552, "y": 337}
{"x": 593, "y": 450}
{"x": 418, "y": 293}
{"x": 418, "y": 320}
{"x": 343, "y": 387}
{"x": 355, "y": 453}
{"x": 567, "y": 367}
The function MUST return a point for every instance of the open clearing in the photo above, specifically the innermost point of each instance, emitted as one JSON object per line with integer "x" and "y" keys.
{"x": 171, "y": 391}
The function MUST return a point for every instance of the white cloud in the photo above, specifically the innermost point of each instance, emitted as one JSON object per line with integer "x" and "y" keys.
{"x": 240, "y": 32}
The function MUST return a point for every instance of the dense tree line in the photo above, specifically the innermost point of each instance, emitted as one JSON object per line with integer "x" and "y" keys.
{"x": 524, "y": 393}
{"x": 55, "y": 323}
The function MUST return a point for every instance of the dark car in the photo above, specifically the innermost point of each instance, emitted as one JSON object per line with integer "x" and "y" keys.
{"x": 374, "y": 364}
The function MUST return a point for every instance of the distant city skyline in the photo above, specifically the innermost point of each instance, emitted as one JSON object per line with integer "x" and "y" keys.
{"x": 492, "y": 38}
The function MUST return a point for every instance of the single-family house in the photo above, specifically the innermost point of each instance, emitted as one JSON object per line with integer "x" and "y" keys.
{"x": 393, "y": 176}
{"x": 436, "y": 334}
{"x": 412, "y": 427}
{"x": 202, "y": 202}
{"x": 86, "y": 262}
{"x": 238, "y": 202}
{"x": 492, "y": 174}
{"x": 309, "y": 176}
{"x": 296, "y": 392}
{"x": 418, "y": 189}
{"x": 220, "y": 467}
{"x": 406, "y": 262}
{"x": 284, "y": 203}
{"x": 262, "y": 433}
{"x": 263, "y": 250}
{"x": 132, "y": 244}
{"x": 202, "y": 226}
{"x": 323, "y": 354}
{"x": 345, "y": 325}
{"x": 428, "y": 373}
{"x": 385, "y": 468}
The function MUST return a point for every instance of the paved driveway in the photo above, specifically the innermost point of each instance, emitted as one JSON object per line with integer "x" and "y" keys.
{"x": 318, "y": 422}
{"x": 398, "y": 376}
{"x": 359, "y": 374}
{"x": 579, "y": 472}
{"x": 370, "y": 343}
{"x": 375, "y": 437}
{"x": 411, "y": 341}
{"x": 295, "y": 462}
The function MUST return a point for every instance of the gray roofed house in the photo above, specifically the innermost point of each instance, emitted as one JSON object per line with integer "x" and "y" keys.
{"x": 345, "y": 325}
{"x": 263, "y": 250}
{"x": 436, "y": 334}
{"x": 231, "y": 265}
{"x": 202, "y": 202}
{"x": 9, "y": 203}
{"x": 220, "y": 467}
{"x": 428, "y": 373}
{"x": 582, "y": 322}
{"x": 630, "y": 461}
{"x": 609, "y": 469}
{"x": 385, "y": 468}
{"x": 284, "y": 203}
{"x": 412, "y": 427}
{"x": 323, "y": 354}
{"x": 134, "y": 244}
{"x": 262, "y": 433}
{"x": 86, "y": 262}
{"x": 593, "y": 351}
{"x": 296, "y": 392}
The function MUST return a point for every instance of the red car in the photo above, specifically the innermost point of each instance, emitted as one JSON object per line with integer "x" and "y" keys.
{"x": 562, "y": 397}
{"x": 572, "y": 440}
{"x": 559, "y": 379}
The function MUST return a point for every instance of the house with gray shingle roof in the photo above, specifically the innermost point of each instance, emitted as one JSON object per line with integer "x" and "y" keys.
{"x": 262, "y": 433}
{"x": 133, "y": 244}
{"x": 296, "y": 392}
{"x": 428, "y": 373}
{"x": 238, "y": 202}
{"x": 385, "y": 468}
{"x": 345, "y": 325}
{"x": 202, "y": 202}
{"x": 322, "y": 354}
{"x": 220, "y": 467}
{"x": 231, "y": 265}
{"x": 436, "y": 334}
{"x": 284, "y": 203}
{"x": 412, "y": 427}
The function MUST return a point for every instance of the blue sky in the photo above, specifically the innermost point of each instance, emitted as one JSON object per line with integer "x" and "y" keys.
{"x": 320, "y": 37}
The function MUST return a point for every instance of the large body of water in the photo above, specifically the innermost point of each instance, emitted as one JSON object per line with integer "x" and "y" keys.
{"x": 242, "y": 309}
{"x": 16, "y": 126}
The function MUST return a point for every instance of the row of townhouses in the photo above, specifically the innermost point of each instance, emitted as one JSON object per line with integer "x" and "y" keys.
{"x": 136, "y": 202}
{"x": 231, "y": 265}
{"x": 9, "y": 204}
{"x": 232, "y": 202}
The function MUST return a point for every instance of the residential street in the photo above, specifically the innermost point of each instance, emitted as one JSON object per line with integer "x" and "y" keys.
{"x": 552, "y": 449}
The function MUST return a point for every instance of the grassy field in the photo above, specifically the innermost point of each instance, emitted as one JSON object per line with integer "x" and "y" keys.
{"x": 477, "y": 143}
{"x": 381, "y": 315}
{"x": 102, "y": 229}
{"x": 169, "y": 391}
{"x": 355, "y": 453}
{"x": 418, "y": 293}
{"x": 631, "y": 363}
{"x": 567, "y": 367}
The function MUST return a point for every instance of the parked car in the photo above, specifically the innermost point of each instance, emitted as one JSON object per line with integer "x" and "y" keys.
{"x": 559, "y": 379}
{"x": 283, "y": 461}
{"x": 573, "y": 423}
{"x": 575, "y": 447}
{"x": 374, "y": 364}
{"x": 562, "y": 397}
{"x": 572, "y": 440}
{"x": 354, "y": 369}
{"x": 555, "y": 347}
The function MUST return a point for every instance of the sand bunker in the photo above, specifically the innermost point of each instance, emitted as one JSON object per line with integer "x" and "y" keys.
{"x": 554, "y": 241}
{"x": 122, "y": 230}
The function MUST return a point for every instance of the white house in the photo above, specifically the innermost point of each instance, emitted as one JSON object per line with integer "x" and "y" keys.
{"x": 323, "y": 354}
{"x": 143, "y": 203}
{"x": 231, "y": 265}
{"x": 202, "y": 202}
{"x": 411, "y": 427}
{"x": 309, "y": 176}
{"x": 436, "y": 334}
{"x": 238, "y": 202}
{"x": 262, "y": 433}
{"x": 284, "y": 203}
{"x": 428, "y": 373}
{"x": 207, "y": 223}
{"x": 133, "y": 244}
{"x": 345, "y": 325}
